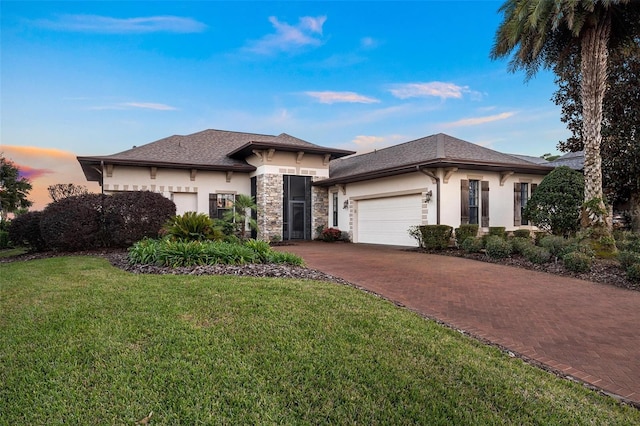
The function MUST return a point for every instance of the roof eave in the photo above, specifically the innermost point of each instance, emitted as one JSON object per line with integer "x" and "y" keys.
{"x": 247, "y": 149}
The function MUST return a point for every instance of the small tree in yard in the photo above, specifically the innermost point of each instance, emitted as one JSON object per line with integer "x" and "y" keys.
{"x": 64, "y": 190}
{"x": 13, "y": 188}
{"x": 240, "y": 214}
{"x": 555, "y": 205}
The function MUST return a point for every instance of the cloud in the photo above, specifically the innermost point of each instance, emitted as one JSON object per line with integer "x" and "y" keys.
{"x": 368, "y": 43}
{"x": 45, "y": 167}
{"x": 363, "y": 140}
{"x": 474, "y": 121}
{"x": 287, "y": 38}
{"x": 366, "y": 143}
{"x": 435, "y": 88}
{"x": 329, "y": 97}
{"x": 132, "y": 105}
{"x": 109, "y": 25}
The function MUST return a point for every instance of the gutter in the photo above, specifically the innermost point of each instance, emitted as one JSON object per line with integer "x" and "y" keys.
{"x": 433, "y": 176}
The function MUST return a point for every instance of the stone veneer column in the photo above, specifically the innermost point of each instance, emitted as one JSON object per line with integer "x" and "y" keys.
{"x": 269, "y": 201}
{"x": 319, "y": 206}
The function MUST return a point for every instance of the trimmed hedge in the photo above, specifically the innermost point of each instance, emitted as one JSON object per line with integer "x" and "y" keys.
{"x": 24, "y": 230}
{"x": 473, "y": 244}
{"x": 465, "y": 231}
{"x": 498, "y": 231}
{"x": 497, "y": 247}
{"x": 435, "y": 237}
{"x": 577, "y": 262}
{"x": 522, "y": 233}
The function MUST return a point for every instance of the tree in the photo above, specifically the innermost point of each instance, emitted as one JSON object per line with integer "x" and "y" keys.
{"x": 543, "y": 33}
{"x": 13, "y": 188}
{"x": 555, "y": 205}
{"x": 620, "y": 148}
{"x": 240, "y": 214}
{"x": 64, "y": 190}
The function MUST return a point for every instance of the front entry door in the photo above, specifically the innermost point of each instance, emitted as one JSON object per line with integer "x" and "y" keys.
{"x": 297, "y": 215}
{"x": 296, "y": 208}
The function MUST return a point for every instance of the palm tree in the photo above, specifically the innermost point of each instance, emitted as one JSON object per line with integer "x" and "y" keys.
{"x": 542, "y": 33}
{"x": 240, "y": 214}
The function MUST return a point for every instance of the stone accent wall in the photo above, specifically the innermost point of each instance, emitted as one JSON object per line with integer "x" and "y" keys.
{"x": 319, "y": 206}
{"x": 269, "y": 201}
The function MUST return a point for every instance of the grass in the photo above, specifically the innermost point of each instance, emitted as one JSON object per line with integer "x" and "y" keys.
{"x": 84, "y": 343}
{"x": 11, "y": 252}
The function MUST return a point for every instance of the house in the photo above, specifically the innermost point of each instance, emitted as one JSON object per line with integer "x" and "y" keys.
{"x": 300, "y": 186}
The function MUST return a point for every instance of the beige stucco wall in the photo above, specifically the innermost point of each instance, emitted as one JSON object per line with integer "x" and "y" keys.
{"x": 501, "y": 206}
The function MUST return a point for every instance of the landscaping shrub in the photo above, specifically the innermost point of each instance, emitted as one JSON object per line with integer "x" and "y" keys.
{"x": 74, "y": 223}
{"x": 629, "y": 241}
{"x": 628, "y": 258}
{"x": 261, "y": 248}
{"x": 497, "y": 247}
{"x": 633, "y": 272}
{"x": 522, "y": 233}
{"x": 535, "y": 254}
{"x": 555, "y": 244}
{"x": 192, "y": 226}
{"x": 132, "y": 216}
{"x": 498, "y": 231}
{"x": 24, "y": 230}
{"x": 284, "y": 257}
{"x": 144, "y": 252}
{"x": 4, "y": 240}
{"x": 555, "y": 205}
{"x": 414, "y": 232}
{"x": 520, "y": 244}
{"x": 473, "y": 244}
{"x": 465, "y": 231}
{"x": 436, "y": 237}
{"x": 330, "y": 234}
{"x": 577, "y": 262}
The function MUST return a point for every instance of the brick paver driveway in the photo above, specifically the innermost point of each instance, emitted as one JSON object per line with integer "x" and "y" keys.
{"x": 585, "y": 330}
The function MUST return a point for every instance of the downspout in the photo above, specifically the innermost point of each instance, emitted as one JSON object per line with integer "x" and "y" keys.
{"x": 102, "y": 177}
{"x": 433, "y": 176}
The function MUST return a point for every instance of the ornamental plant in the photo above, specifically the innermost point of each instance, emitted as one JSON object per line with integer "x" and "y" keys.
{"x": 330, "y": 234}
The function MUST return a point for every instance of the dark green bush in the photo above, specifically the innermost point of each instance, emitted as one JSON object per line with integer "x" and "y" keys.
{"x": 520, "y": 244}
{"x": 465, "y": 231}
{"x": 24, "y": 230}
{"x": 633, "y": 272}
{"x": 628, "y": 258}
{"x": 473, "y": 244}
{"x": 435, "y": 237}
{"x": 555, "y": 244}
{"x": 4, "y": 240}
{"x": 535, "y": 254}
{"x": 556, "y": 203}
{"x": 577, "y": 262}
{"x": 497, "y": 247}
{"x": 74, "y": 223}
{"x": 498, "y": 231}
{"x": 192, "y": 226}
{"x": 629, "y": 241}
{"x": 522, "y": 233}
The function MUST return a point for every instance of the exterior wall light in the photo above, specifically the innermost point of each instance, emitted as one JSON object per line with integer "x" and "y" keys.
{"x": 427, "y": 196}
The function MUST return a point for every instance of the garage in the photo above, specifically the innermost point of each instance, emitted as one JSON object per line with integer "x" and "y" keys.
{"x": 386, "y": 220}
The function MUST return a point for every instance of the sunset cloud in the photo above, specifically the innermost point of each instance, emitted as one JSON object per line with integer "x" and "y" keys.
{"x": 328, "y": 97}
{"x": 109, "y": 25}
{"x": 436, "y": 89}
{"x": 287, "y": 38}
{"x": 44, "y": 167}
{"x": 474, "y": 121}
{"x": 135, "y": 105}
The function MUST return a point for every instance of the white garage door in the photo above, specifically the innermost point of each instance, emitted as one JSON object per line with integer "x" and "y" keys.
{"x": 185, "y": 202}
{"x": 386, "y": 220}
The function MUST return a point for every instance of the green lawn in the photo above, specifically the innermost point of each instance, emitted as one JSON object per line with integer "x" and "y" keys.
{"x": 84, "y": 343}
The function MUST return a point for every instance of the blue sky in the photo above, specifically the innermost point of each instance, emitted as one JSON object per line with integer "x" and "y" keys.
{"x": 96, "y": 78}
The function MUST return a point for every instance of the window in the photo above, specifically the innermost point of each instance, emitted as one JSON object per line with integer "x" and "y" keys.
{"x": 474, "y": 202}
{"x": 219, "y": 204}
{"x": 334, "y": 196}
{"x": 521, "y": 193}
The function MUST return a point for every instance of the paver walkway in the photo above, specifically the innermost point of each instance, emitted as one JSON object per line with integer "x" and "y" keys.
{"x": 588, "y": 331}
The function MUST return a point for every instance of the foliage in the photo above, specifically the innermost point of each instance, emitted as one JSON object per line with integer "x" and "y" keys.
{"x": 620, "y": 147}
{"x": 240, "y": 214}
{"x": 24, "y": 230}
{"x": 435, "y": 237}
{"x": 4, "y": 240}
{"x": 633, "y": 273}
{"x": 85, "y": 343}
{"x": 63, "y": 190}
{"x": 414, "y": 232}
{"x": 630, "y": 241}
{"x": 555, "y": 205}
{"x": 522, "y": 233}
{"x": 555, "y": 244}
{"x": 178, "y": 253}
{"x": 276, "y": 238}
{"x": 497, "y": 247}
{"x": 535, "y": 254}
{"x": 498, "y": 231}
{"x": 577, "y": 262}
{"x": 192, "y": 226}
{"x": 330, "y": 234}
{"x": 473, "y": 244}
{"x": 466, "y": 230}
{"x": 628, "y": 258}
{"x": 345, "y": 236}
{"x": 14, "y": 189}
{"x": 519, "y": 244}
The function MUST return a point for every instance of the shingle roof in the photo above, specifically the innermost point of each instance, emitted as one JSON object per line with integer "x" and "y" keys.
{"x": 438, "y": 150}
{"x": 574, "y": 160}
{"x": 208, "y": 149}
{"x": 531, "y": 159}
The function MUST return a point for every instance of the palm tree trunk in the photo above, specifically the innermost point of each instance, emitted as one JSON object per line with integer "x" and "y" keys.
{"x": 594, "y": 58}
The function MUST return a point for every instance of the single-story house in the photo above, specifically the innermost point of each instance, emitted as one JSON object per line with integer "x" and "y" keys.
{"x": 300, "y": 186}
